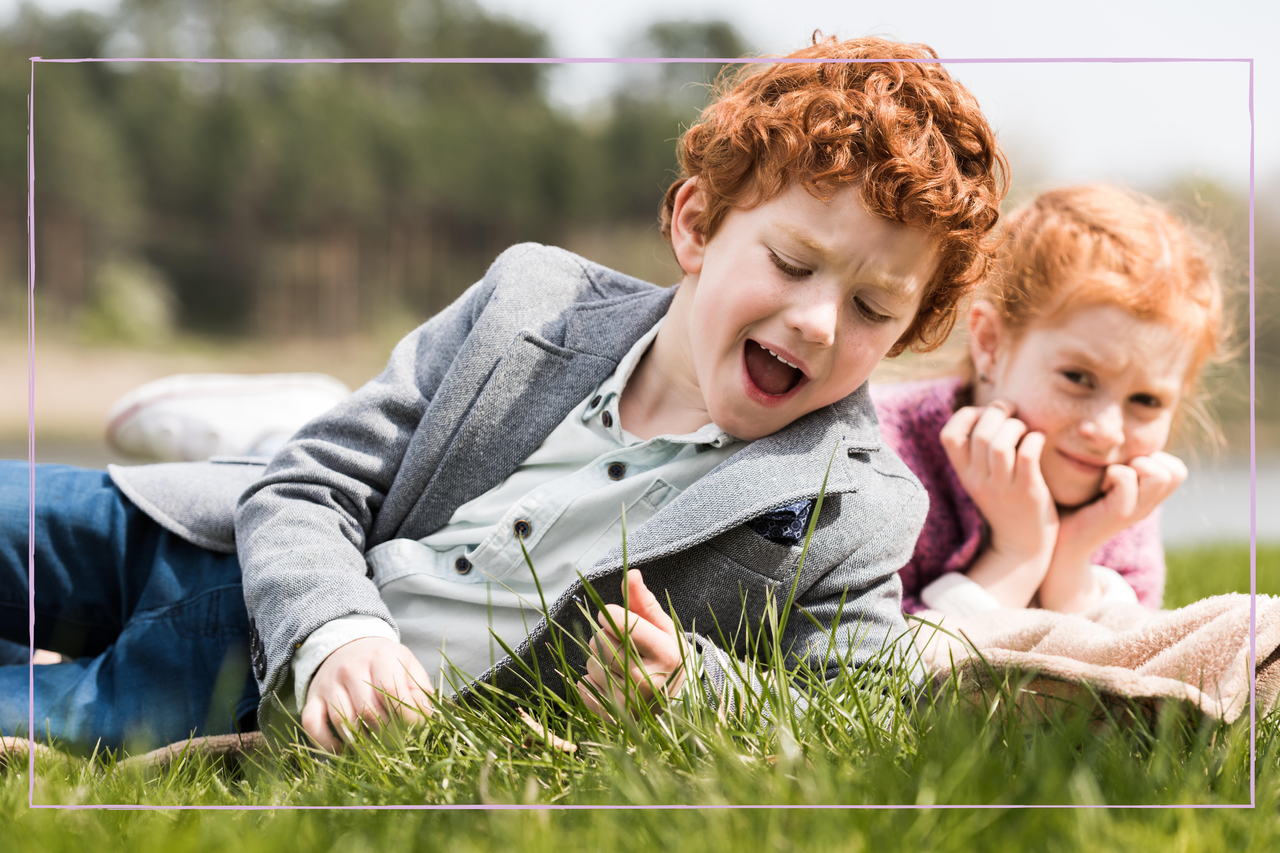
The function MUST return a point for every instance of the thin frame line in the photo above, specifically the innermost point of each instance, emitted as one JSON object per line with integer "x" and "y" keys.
{"x": 1252, "y": 804}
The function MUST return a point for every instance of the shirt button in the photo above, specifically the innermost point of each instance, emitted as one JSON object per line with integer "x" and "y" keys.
{"x": 606, "y": 419}
{"x": 617, "y": 470}
{"x": 522, "y": 529}
{"x": 595, "y": 401}
{"x": 463, "y": 565}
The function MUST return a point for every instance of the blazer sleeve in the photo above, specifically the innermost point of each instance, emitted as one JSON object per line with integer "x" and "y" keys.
{"x": 302, "y": 529}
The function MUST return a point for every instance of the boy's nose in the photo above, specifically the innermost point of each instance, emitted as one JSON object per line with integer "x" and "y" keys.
{"x": 816, "y": 320}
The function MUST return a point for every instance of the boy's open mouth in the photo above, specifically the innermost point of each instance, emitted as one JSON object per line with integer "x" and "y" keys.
{"x": 770, "y": 373}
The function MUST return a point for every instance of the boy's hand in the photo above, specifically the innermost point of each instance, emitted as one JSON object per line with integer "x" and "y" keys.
{"x": 998, "y": 463}
{"x": 652, "y": 670}
{"x": 367, "y": 681}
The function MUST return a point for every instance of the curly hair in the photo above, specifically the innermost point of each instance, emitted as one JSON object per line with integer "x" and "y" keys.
{"x": 888, "y": 118}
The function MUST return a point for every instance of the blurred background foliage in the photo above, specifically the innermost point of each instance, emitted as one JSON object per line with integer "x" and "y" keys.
{"x": 286, "y": 201}
{"x": 316, "y": 199}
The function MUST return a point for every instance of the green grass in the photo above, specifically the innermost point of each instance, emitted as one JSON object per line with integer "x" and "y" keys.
{"x": 1195, "y": 573}
{"x": 851, "y": 748}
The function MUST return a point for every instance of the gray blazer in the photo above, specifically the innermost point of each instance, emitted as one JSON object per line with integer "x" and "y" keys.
{"x": 469, "y": 395}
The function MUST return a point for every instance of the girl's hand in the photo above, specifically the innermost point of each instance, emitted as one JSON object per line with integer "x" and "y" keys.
{"x": 998, "y": 463}
{"x": 365, "y": 682}
{"x": 651, "y": 671}
{"x": 1129, "y": 494}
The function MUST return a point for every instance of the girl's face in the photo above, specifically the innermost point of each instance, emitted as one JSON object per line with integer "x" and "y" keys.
{"x": 1100, "y": 383}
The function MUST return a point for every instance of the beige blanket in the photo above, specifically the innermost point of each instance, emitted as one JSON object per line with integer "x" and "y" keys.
{"x": 1197, "y": 655}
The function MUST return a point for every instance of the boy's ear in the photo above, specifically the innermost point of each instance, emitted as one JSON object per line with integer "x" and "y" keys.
{"x": 686, "y": 240}
{"x": 986, "y": 336}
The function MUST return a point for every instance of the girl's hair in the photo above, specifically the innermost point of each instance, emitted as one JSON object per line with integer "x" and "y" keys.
{"x": 888, "y": 118}
{"x": 1099, "y": 245}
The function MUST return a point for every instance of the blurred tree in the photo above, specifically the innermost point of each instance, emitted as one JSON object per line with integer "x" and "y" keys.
{"x": 637, "y": 145}
{"x": 313, "y": 198}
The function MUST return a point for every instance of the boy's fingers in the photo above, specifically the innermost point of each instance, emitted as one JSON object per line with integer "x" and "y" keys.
{"x": 340, "y": 715}
{"x": 593, "y": 704}
{"x": 315, "y": 722}
{"x": 647, "y": 639}
{"x": 645, "y": 604}
{"x": 366, "y": 701}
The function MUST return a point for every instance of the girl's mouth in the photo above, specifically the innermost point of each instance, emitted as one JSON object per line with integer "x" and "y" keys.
{"x": 1081, "y": 465}
{"x": 773, "y": 376}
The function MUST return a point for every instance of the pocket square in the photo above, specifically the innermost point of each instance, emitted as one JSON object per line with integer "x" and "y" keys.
{"x": 785, "y": 525}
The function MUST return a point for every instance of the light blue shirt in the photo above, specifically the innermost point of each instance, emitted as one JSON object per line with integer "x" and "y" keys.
{"x": 452, "y": 591}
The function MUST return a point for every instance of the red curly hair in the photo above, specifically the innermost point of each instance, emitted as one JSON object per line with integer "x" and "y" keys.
{"x": 905, "y": 131}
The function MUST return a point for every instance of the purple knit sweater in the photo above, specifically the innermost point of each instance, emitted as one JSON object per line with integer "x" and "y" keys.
{"x": 912, "y": 415}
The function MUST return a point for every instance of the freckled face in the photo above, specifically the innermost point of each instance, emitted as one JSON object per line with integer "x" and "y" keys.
{"x": 1101, "y": 384}
{"x": 792, "y": 304}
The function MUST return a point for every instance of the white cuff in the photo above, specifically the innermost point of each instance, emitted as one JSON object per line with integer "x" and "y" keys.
{"x": 325, "y": 640}
{"x": 1115, "y": 589}
{"x": 956, "y": 595}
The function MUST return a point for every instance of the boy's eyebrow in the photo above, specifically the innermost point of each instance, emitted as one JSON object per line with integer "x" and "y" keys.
{"x": 893, "y": 286}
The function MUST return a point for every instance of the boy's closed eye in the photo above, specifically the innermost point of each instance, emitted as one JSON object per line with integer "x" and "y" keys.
{"x": 788, "y": 269}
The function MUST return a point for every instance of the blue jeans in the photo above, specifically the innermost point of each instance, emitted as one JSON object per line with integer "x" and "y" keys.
{"x": 154, "y": 627}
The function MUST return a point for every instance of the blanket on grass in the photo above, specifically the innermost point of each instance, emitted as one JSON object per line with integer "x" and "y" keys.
{"x": 1198, "y": 655}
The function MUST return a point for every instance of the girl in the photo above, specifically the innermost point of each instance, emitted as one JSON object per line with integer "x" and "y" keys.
{"x": 1045, "y": 465}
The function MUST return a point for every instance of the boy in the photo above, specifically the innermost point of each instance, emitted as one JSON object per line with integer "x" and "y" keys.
{"x": 828, "y": 215}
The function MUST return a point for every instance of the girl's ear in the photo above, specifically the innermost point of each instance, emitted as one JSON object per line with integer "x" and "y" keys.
{"x": 688, "y": 242}
{"x": 987, "y": 335}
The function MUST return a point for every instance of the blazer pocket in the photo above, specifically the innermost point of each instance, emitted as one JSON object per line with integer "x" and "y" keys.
{"x": 749, "y": 549}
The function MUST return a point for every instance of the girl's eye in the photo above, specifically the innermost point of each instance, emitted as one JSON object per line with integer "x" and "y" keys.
{"x": 1078, "y": 377}
{"x": 787, "y": 269}
{"x": 1148, "y": 400}
{"x": 870, "y": 313}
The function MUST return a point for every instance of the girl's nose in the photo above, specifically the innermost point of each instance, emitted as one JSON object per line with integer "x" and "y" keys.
{"x": 1105, "y": 427}
{"x": 816, "y": 319}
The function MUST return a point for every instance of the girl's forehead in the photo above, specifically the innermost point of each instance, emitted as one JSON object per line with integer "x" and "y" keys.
{"x": 1109, "y": 339}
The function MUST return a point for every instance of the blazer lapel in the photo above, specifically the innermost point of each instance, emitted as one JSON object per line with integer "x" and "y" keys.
{"x": 533, "y": 388}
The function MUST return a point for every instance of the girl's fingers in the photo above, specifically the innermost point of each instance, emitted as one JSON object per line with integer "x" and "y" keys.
{"x": 1177, "y": 468}
{"x": 1028, "y": 463}
{"x": 1120, "y": 488}
{"x": 955, "y": 436}
{"x": 1002, "y": 453}
{"x": 983, "y": 434}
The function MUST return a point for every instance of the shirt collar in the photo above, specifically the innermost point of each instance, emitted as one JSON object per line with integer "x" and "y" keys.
{"x": 604, "y": 400}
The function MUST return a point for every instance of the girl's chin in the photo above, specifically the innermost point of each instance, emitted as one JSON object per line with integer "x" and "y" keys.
{"x": 1074, "y": 498}
{"x": 1070, "y": 493}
